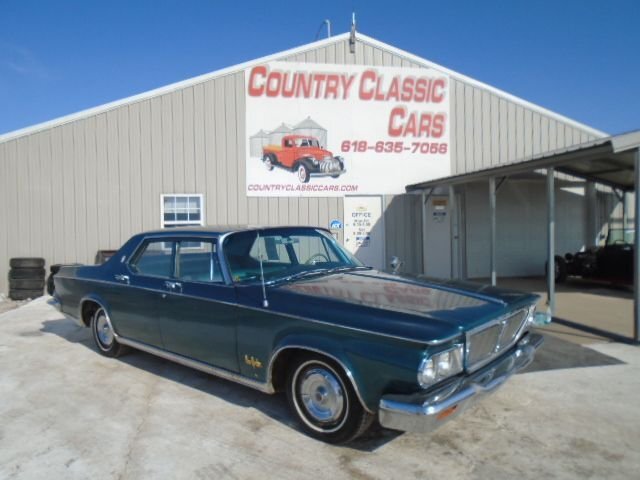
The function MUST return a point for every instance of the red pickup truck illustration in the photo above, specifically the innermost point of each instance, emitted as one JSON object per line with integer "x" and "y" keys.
{"x": 304, "y": 155}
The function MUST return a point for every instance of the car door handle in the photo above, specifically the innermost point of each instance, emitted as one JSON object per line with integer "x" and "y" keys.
{"x": 173, "y": 286}
{"x": 122, "y": 278}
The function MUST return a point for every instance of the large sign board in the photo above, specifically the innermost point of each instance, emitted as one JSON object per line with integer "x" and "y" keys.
{"x": 334, "y": 130}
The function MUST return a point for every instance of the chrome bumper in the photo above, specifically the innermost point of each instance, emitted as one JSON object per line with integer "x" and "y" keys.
{"x": 328, "y": 174}
{"x": 424, "y": 412}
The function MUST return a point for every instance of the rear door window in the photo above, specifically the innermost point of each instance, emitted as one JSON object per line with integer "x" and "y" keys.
{"x": 155, "y": 259}
{"x": 197, "y": 261}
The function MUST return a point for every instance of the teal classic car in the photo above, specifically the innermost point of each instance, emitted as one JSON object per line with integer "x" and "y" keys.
{"x": 289, "y": 310}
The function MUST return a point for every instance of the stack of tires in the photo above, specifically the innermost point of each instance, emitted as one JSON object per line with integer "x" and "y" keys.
{"x": 26, "y": 278}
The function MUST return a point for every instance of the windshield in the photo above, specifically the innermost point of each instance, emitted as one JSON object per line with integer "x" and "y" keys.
{"x": 286, "y": 253}
{"x": 307, "y": 142}
{"x": 619, "y": 236}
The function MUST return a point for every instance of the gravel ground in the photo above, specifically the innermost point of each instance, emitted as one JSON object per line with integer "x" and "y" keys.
{"x": 7, "y": 304}
{"x": 68, "y": 412}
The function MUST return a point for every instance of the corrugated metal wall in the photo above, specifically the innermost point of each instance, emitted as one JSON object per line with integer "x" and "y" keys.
{"x": 489, "y": 130}
{"x": 72, "y": 189}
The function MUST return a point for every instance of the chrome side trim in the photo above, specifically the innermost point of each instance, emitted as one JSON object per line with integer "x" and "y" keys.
{"x": 195, "y": 364}
{"x": 187, "y": 362}
{"x": 274, "y": 356}
{"x": 439, "y": 341}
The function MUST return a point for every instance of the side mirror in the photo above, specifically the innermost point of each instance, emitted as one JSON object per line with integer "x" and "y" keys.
{"x": 396, "y": 263}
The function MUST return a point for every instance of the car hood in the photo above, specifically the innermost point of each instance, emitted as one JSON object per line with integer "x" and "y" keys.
{"x": 402, "y": 305}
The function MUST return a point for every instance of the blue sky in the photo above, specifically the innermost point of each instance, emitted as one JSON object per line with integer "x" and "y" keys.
{"x": 579, "y": 58}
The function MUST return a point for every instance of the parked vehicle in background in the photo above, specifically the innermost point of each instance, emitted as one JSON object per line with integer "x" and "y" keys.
{"x": 288, "y": 309}
{"x": 612, "y": 262}
{"x": 303, "y": 155}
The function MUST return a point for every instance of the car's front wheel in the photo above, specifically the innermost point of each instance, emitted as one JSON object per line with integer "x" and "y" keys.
{"x": 104, "y": 335}
{"x": 303, "y": 173}
{"x": 324, "y": 401}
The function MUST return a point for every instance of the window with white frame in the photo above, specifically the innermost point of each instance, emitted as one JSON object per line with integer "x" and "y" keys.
{"x": 182, "y": 210}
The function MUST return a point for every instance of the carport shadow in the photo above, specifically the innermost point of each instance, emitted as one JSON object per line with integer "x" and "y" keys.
{"x": 594, "y": 287}
{"x": 556, "y": 353}
{"x": 274, "y": 406}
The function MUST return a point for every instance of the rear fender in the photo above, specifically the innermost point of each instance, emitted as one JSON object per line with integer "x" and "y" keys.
{"x": 95, "y": 298}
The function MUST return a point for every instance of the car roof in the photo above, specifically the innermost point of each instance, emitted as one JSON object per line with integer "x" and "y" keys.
{"x": 216, "y": 230}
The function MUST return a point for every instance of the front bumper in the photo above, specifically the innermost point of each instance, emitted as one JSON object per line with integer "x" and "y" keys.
{"x": 424, "y": 412}
{"x": 334, "y": 173}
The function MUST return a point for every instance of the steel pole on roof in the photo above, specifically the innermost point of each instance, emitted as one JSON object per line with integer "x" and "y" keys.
{"x": 551, "y": 242}
{"x": 636, "y": 255}
{"x": 492, "y": 228}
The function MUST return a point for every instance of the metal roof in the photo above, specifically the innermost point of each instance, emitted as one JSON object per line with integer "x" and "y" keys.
{"x": 280, "y": 56}
{"x": 609, "y": 161}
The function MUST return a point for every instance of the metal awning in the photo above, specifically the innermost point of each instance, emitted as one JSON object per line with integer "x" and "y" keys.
{"x": 609, "y": 161}
{"x": 613, "y": 161}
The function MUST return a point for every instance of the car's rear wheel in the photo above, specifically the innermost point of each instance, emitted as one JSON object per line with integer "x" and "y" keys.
{"x": 104, "y": 335}
{"x": 324, "y": 401}
{"x": 268, "y": 162}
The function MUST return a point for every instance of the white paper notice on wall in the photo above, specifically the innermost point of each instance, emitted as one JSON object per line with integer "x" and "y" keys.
{"x": 333, "y": 130}
{"x": 363, "y": 229}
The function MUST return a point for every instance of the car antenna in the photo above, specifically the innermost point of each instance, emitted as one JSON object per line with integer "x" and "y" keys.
{"x": 265, "y": 302}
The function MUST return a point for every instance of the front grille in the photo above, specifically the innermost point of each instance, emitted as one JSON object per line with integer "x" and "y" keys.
{"x": 489, "y": 341}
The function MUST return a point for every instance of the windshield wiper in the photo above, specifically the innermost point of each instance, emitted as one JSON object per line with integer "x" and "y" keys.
{"x": 317, "y": 271}
{"x": 348, "y": 268}
{"x": 295, "y": 276}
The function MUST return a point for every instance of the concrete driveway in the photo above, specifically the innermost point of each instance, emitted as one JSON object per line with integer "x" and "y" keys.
{"x": 67, "y": 412}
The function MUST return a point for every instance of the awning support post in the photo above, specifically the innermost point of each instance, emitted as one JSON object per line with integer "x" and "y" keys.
{"x": 424, "y": 198}
{"x": 625, "y": 212}
{"x": 636, "y": 255}
{"x": 453, "y": 225}
{"x": 492, "y": 229}
{"x": 551, "y": 240}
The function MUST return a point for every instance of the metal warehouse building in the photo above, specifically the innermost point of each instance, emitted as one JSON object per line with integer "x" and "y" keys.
{"x": 192, "y": 153}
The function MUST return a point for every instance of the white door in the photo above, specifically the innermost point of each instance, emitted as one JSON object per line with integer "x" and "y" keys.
{"x": 437, "y": 237}
{"x": 364, "y": 229}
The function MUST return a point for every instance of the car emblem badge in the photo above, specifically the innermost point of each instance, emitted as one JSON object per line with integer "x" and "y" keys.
{"x": 251, "y": 360}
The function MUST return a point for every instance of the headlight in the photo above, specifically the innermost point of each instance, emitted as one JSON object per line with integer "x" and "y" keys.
{"x": 440, "y": 366}
{"x": 531, "y": 314}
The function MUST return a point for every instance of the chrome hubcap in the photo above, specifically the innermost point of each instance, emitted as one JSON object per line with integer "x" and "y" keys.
{"x": 322, "y": 395}
{"x": 302, "y": 173}
{"x": 103, "y": 329}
